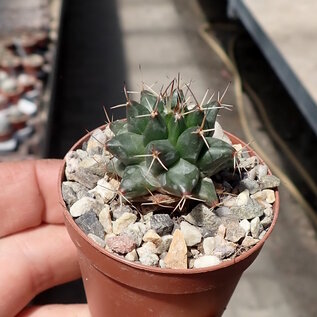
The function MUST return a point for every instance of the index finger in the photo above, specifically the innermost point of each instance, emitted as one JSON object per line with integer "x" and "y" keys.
{"x": 28, "y": 195}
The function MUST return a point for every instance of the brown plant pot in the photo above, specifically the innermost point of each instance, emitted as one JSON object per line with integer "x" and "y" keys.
{"x": 117, "y": 287}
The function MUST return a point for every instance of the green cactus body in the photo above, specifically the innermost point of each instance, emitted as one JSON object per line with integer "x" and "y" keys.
{"x": 163, "y": 145}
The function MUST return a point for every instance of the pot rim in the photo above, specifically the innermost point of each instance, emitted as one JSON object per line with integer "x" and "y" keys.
{"x": 187, "y": 271}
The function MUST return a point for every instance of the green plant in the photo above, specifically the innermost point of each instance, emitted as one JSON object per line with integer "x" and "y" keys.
{"x": 165, "y": 144}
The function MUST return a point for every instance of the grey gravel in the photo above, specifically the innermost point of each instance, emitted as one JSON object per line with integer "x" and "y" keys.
{"x": 269, "y": 181}
{"x": 89, "y": 223}
{"x": 72, "y": 191}
{"x": 162, "y": 224}
{"x": 203, "y": 216}
{"x": 251, "y": 210}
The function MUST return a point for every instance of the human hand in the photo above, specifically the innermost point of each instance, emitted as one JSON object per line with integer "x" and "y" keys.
{"x": 36, "y": 252}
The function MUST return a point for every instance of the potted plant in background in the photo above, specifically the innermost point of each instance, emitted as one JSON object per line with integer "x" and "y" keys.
{"x": 166, "y": 209}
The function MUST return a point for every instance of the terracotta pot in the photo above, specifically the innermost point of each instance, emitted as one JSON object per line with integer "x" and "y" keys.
{"x": 117, "y": 287}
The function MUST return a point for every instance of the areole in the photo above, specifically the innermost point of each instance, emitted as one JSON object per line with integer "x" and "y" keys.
{"x": 117, "y": 287}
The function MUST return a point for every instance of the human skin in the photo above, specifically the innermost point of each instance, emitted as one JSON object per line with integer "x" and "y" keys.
{"x": 36, "y": 252}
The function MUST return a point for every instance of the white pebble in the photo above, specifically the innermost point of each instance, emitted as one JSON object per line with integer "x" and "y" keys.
{"x": 123, "y": 222}
{"x": 205, "y": 261}
{"x": 191, "y": 234}
{"x": 245, "y": 224}
{"x": 255, "y": 227}
{"x": 243, "y": 198}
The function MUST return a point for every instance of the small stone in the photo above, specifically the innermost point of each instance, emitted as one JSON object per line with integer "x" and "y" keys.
{"x": 195, "y": 253}
{"x": 132, "y": 256}
{"x": 265, "y": 195}
{"x": 92, "y": 166}
{"x": 147, "y": 254}
{"x": 261, "y": 170}
{"x": 205, "y": 261}
{"x": 162, "y": 224}
{"x": 105, "y": 219}
{"x": 191, "y": 233}
{"x": 119, "y": 210}
{"x": 269, "y": 181}
{"x": 85, "y": 205}
{"x": 162, "y": 264}
{"x": 96, "y": 239}
{"x": 72, "y": 191}
{"x": 245, "y": 225}
{"x": 248, "y": 162}
{"x": 123, "y": 222}
{"x": 165, "y": 243}
{"x": 203, "y": 216}
{"x": 222, "y": 231}
{"x": 85, "y": 178}
{"x": 229, "y": 201}
{"x": 135, "y": 231}
{"x": 219, "y": 247}
{"x": 251, "y": 185}
{"x": 266, "y": 222}
{"x": 243, "y": 198}
{"x": 251, "y": 210}
{"x": 262, "y": 234}
{"x": 104, "y": 189}
{"x": 78, "y": 174}
{"x": 96, "y": 142}
{"x": 176, "y": 257}
{"x": 249, "y": 242}
{"x": 149, "y": 259}
{"x": 152, "y": 236}
{"x": 223, "y": 211}
{"x": 268, "y": 212}
{"x": 114, "y": 183}
{"x": 147, "y": 248}
{"x": 270, "y": 196}
{"x": 252, "y": 173}
{"x": 89, "y": 223}
{"x": 120, "y": 244}
{"x": 255, "y": 227}
{"x": 209, "y": 245}
{"x": 191, "y": 263}
{"x": 234, "y": 232}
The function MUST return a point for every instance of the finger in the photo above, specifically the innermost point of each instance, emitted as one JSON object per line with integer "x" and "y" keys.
{"x": 32, "y": 261}
{"x": 77, "y": 310}
{"x": 29, "y": 195}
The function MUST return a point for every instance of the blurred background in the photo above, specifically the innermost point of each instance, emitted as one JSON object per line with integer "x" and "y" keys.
{"x": 62, "y": 61}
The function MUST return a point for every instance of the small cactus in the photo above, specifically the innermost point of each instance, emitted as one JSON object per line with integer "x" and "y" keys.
{"x": 165, "y": 144}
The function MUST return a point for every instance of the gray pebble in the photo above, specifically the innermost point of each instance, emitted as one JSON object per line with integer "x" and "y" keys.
{"x": 136, "y": 232}
{"x": 234, "y": 232}
{"x": 251, "y": 210}
{"x": 72, "y": 191}
{"x": 269, "y": 181}
{"x": 96, "y": 239}
{"x": 89, "y": 223}
{"x": 251, "y": 185}
{"x": 203, "y": 216}
{"x": 261, "y": 170}
{"x": 118, "y": 210}
{"x": 162, "y": 224}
